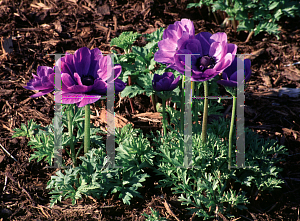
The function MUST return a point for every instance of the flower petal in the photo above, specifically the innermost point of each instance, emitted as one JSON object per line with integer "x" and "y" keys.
{"x": 67, "y": 80}
{"x": 118, "y": 70}
{"x": 71, "y": 98}
{"x": 224, "y": 63}
{"x": 218, "y": 37}
{"x": 82, "y": 61}
{"x": 165, "y": 57}
{"x": 88, "y": 99}
{"x": 204, "y": 37}
{"x": 100, "y": 87}
{"x": 119, "y": 86}
{"x": 41, "y": 93}
{"x": 174, "y": 83}
{"x": 96, "y": 55}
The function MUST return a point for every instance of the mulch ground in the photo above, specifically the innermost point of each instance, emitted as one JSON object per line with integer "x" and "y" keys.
{"x": 31, "y": 31}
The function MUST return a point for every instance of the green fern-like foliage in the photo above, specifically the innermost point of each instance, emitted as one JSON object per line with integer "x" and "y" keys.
{"x": 125, "y": 40}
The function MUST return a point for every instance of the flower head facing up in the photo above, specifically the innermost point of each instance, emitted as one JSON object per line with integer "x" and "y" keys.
{"x": 210, "y": 55}
{"x": 230, "y": 73}
{"x": 171, "y": 35}
{"x": 85, "y": 75}
{"x": 43, "y": 81}
{"x": 165, "y": 82}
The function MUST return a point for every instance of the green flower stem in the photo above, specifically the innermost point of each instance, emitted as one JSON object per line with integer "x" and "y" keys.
{"x": 70, "y": 129}
{"x": 182, "y": 110}
{"x": 192, "y": 87}
{"x": 204, "y": 123}
{"x": 164, "y": 116}
{"x": 231, "y": 132}
{"x": 130, "y": 99}
{"x": 182, "y": 106}
{"x": 195, "y": 101}
{"x": 153, "y": 102}
{"x": 87, "y": 126}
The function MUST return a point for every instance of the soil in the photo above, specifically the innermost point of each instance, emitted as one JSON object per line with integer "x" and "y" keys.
{"x": 32, "y": 30}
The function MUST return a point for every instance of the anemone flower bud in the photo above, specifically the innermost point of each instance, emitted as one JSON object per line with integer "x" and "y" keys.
{"x": 230, "y": 74}
{"x": 43, "y": 81}
{"x": 165, "y": 82}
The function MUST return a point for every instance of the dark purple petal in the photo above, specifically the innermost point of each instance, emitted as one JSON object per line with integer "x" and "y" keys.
{"x": 69, "y": 59}
{"x": 174, "y": 84}
{"x": 230, "y": 73}
{"x": 96, "y": 55}
{"x": 157, "y": 77}
{"x": 67, "y": 80}
{"x": 169, "y": 75}
{"x": 77, "y": 79}
{"x": 119, "y": 86}
{"x": 164, "y": 82}
{"x": 227, "y": 83}
{"x": 203, "y": 37}
{"x": 231, "y": 48}
{"x": 80, "y": 88}
{"x": 82, "y": 61}
{"x": 100, "y": 87}
{"x": 193, "y": 45}
{"x": 180, "y": 60}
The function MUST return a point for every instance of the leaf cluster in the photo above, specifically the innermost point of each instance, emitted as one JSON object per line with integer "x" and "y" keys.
{"x": 257, "y": 16}
{"x": 138, "y": 62}
{"x": 93, "y": 178}
{"x": 207, "y": 185}
{"x": 46, "y": 140}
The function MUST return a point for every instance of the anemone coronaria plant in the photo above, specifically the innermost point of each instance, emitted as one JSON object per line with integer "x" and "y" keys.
{"x": 164, "y": 85}
{"x": 230, "y": 83}
{"x": 84, "y": 81}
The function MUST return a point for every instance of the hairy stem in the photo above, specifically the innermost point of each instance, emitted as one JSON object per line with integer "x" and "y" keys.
{"x": 196, "y": 107}
{"x": 87, "y": 126}
{"x": 153, "y": 102}
{"x": 182, "y": 110}
{"x": 231, "y": 132}
{"x": 130, "y": 99}
{"x": 164, "y": 117}
{"x": 70, "y": 129}
{"x": 204, "y": 124}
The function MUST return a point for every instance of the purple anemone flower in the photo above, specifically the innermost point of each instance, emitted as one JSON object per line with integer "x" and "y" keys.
{"x": 230, "y": 74}
{"x": 43, "y": 81}
{"x": 168, "y": 46}
{"x": 165, "y": 82}
{"x": 84, "y": 76}
{"x": 211, "y": 54}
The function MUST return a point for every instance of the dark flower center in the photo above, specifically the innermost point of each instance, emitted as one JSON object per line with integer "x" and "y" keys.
{"x": 87, "y": 80}
{"x": 205, "y": 62}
